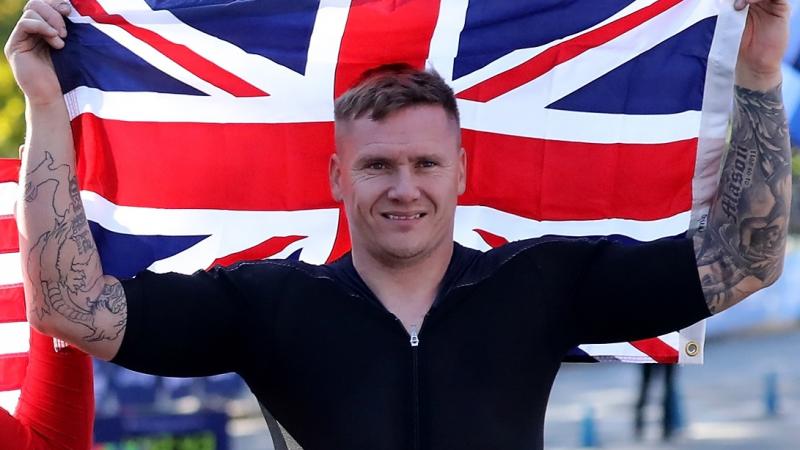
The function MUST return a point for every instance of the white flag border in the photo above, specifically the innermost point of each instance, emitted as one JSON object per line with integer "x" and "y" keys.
{"x": 716, "y": 113}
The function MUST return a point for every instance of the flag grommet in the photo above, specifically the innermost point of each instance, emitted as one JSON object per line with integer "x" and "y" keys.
{"x": 692, "y": 348}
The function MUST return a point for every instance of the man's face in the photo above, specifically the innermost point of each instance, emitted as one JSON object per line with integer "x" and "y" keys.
{"x": 399, "y": 180}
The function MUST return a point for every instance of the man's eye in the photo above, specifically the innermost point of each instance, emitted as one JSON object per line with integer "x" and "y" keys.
{"x": 427, "y": 164}
{"x": 376, "y": 165}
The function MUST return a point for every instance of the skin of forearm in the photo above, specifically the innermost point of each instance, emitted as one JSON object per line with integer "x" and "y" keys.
{"x": 741, "y": 249}
{"x": 67, "y": 294}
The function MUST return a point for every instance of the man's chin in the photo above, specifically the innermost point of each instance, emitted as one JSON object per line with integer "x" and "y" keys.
{"x": 401, "y": 255}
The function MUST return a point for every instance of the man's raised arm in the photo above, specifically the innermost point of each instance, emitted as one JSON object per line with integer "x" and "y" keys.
{"x": 66, "y": 293}
{"x": 741, "y": 249}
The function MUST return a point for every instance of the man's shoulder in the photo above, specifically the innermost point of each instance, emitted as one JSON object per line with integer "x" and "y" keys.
{"x": 266, "y": 270}
{"x": 470, "y": 266}
{"x": 533, "y": 245}
{"x": 558, "y": 242}
{"x": 551, "y": 249}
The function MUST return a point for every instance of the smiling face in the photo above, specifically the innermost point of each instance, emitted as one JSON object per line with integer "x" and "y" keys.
{"x": 399, "y": 179}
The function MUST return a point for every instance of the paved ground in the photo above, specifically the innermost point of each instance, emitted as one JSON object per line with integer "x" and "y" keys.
{"x": 722, "y": 402}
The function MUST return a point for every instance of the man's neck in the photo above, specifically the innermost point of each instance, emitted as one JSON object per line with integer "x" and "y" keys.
{"x": 407, "y": 290}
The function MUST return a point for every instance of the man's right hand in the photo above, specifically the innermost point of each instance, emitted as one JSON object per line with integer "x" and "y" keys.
{"x": 40, "y": 28}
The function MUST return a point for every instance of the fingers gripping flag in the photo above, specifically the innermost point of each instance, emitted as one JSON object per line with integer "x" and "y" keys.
{"x": 204, "y": 127}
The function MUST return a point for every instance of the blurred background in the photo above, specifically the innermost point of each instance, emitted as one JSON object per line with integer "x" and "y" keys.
{"x": 746, "y": 396}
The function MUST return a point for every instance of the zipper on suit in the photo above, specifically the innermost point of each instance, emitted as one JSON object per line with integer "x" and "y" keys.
{"x": 414, "y": 341}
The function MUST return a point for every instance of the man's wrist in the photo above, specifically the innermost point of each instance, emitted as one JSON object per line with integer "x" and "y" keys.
{"x": 48, "y": 111}
{"x": 758, "y": 81}
{"x": 44, "y": 103}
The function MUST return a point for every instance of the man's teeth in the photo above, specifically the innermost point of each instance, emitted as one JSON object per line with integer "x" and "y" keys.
{"x": 396, "y": 217}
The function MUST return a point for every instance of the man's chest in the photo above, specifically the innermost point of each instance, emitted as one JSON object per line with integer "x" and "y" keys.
{"x": 353, "y": 365}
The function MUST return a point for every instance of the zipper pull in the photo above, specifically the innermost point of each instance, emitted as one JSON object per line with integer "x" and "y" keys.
{"x": 414, "y": 338}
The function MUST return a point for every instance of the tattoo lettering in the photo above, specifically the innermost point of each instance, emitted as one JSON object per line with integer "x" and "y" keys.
{"x": 741, "y": 177}
{"x": 741, "y": 248}
{"x": 67, "y": 246}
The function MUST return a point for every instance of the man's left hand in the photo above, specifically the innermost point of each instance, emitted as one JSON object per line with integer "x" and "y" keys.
{"x": 764, "y": 41}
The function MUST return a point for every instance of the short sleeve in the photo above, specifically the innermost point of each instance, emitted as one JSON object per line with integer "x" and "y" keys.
{"x": 182, "y": 325}
{"x": 626, "y": 291}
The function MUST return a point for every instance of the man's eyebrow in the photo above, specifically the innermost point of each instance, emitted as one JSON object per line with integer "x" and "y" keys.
{"x": 428, "y": 156}
{"x": 371, "y": 158}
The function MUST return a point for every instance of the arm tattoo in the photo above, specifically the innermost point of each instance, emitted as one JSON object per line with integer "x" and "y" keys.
{"x": 742, "y": 248}
{"x": 63, "y": 264}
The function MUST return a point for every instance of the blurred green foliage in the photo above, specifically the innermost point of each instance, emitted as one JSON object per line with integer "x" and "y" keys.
{"x": 796, "y": 164}
{"x": 12, "y": 105}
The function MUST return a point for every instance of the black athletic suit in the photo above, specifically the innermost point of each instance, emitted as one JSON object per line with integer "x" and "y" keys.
{"x": 339, "y": 371}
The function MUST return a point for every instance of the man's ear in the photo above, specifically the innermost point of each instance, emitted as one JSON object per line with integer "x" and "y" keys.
{"x": 335, "y": 177}
{"x": 462, "y": 171}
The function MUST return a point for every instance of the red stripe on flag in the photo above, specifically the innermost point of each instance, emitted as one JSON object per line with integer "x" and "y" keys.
{"x": 9, "y": 170}
{"x": 658, "y": 350}
{"x": 261, "y": 251}
{"x": 12, "y": 304}
{"x": 491, "y": 239}
{"x": 287, "y": 167}
{"x": 281, "y": 167}
{"x": 12, "y": 370}
{"x": 9, "y": 240}
{"x": 341, "y": 245}
{"x": 556, "y": 180}
{"x": 182, "y": 55}
{"x": 382, "y": 32}
{"x": 560, "y": 53}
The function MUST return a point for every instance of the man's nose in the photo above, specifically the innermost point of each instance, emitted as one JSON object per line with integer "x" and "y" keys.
{"x": 404, "y": 188}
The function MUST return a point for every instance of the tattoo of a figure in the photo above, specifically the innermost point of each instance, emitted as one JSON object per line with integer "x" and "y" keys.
{"x": 742, "y": 246}
{"x": 67, "y": 245}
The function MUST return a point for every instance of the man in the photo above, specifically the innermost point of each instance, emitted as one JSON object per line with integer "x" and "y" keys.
{"x": 411, "y": 341}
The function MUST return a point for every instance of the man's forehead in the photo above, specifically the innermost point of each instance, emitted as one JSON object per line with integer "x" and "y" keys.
{"x": 398, "y": 149}
{"x": 409, "y": 126}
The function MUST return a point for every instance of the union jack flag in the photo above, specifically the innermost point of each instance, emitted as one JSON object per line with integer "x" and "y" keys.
{"x": 204, "y": 127}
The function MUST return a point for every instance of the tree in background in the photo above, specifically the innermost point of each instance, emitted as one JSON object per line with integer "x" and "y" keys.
{"x": 12, "y": 105}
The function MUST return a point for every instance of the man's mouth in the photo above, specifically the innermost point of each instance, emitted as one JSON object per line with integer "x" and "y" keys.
{"x": 397, "y": 216}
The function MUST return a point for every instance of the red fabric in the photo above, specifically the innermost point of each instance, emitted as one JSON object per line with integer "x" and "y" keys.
{"x": 9, "y": 170}
{"x": 56, "y": 407}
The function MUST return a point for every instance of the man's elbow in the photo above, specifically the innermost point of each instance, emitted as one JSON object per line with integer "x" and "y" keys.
{"x": 775, "y": 273}
{"x": 39, "y": 321}
{"x": 41, "y": 318}
{"x": 753, "y": 283}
